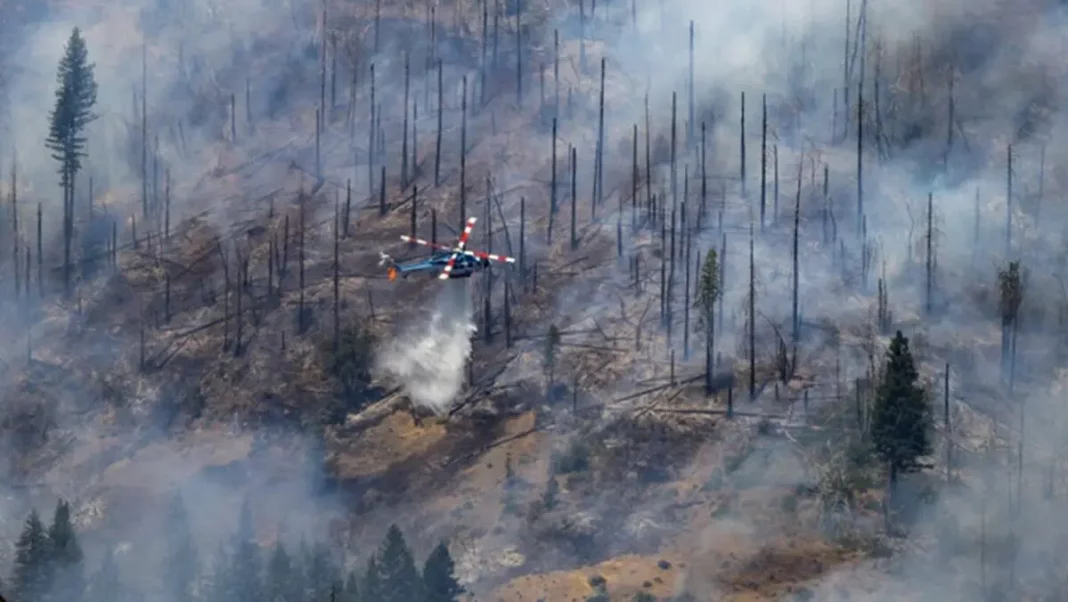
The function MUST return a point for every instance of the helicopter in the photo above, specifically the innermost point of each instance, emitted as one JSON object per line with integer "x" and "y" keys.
{"x": 444, "y": 262}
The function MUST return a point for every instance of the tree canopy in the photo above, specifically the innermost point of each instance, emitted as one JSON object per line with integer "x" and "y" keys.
{"x": 439, "y": 577}
{"x": 901, "y": 418}
{"x": 73, "y": 110}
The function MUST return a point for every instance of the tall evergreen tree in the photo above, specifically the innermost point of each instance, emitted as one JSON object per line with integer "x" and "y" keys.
{"x": 373, "y": 588}
{"x": 708, "y": 292}
{"x": 320, "y": 573}
{"x": 352, "y": 588}
{"x": 246, "y": 570}
{"x": 901, "y": 420}
{"x": 73, "y": 111}
{"x": 30, "y": 580}
{"x": 65, "y": 555}
{"x": 282, "y": 581}
{"x": 221, "y": 588}
{"x": 395, "y": 575}
{"x": 180, "y": 557}
{"x": 439, "y": 577}
{"x": 106, "y": 584}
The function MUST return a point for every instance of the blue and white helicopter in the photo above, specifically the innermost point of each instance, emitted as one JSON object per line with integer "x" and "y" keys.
{"x": 445, "y": 262}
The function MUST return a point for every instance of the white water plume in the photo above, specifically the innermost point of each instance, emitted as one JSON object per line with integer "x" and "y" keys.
{"x": 428, "y": 358}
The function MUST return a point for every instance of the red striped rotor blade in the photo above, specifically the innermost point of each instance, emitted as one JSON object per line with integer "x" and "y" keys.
{"x": 424, "y": 242}
{"x": 467, "y": 232}
{"x": 491, "y": 256}
{"x": 448, "y": 267}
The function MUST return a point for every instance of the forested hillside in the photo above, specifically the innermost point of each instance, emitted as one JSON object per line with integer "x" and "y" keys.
{"x": 785, "y": 317}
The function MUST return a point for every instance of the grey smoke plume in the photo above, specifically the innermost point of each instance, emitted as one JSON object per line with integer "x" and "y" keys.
{"x": 427, "y": 359}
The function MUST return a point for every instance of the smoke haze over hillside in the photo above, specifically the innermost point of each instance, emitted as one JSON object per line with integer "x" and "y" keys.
{"x": 947, "y": 88}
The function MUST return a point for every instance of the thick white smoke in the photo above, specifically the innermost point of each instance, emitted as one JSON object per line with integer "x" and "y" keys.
{"x": 428, "y": 358}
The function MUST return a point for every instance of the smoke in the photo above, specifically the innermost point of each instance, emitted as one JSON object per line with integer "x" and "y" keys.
{"x": 429, "y": 357}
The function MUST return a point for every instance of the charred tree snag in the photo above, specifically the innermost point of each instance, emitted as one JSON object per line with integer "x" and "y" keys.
{"x": 167, "y": 205}
{"x": 704, "y": 177}
{"x": 522, "y": 241}
{"x": 763, "y": 160}
{"x": 437, "y": 143}
{"x": 930, "y": 254}
{"x": 574, "y": 197}
{"x": 860, "y": 111}
{"x": 404, "y": 133}
{"x": 692, "y": 93}
{"x": 775, "y": 183}
{"x": 519, "y": 53}
{"x": 482, "y": 63}
{"x": 1008, "y": 203}
{"x": 337, "y": 283}
{"x": 741, "y": 173}
{"x": 796, "y": 333}
{"x": 556, "y": 74}
{"x": 40, "y": 255}
{"x": 318, "y": 147}
{"x": 752, "y": 317}
{"x": 382, "y": 191}
{"x": 599, "y": 172}
{"x": 648, "y": 163}
{"x": 415, "y": 199}
{"x": 144, "y": 131}
{"x": 371, "y": 127}
{"x": 347, "y": 216}
{"x": 463, "y": 154}
{"x": 300, "y": 243}
{"x": 507, "y": 315}
{"x": 634, "y": 182}
{"x": 552, "y": 191}
{"x": 239, "y": 314}
{"x": 487, "y": 310}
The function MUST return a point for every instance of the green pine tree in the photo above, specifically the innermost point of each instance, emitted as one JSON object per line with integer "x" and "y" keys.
{"x": 901, "y": 420}
{"x": 221, "y": 588}
{"x": 107, "y": 585}
{"x": 352, "y": 588}
{"x": 180, "y": 557}
{"x": 282, "y": 584}
{"x": 708, "y": 292}
{"x": 320, "y": 572}
{"x": 246, "y": 570}
{"x": 373, "y": 588}
{"x": 399, "y": 578}
{"x": 65, "y": 555}
{"x": 31, "y": 580}
{"x": 439, "y": 576}
{"x": 73, "y": 111}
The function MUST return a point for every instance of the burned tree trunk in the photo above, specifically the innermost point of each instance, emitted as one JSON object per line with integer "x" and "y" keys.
{"x": 574, "y": 197}
{"x": 463, "y": 154}
{"x": 437, "y": 143}
{"x": 752, "y": 317}
{"x": 763, "y": 161}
